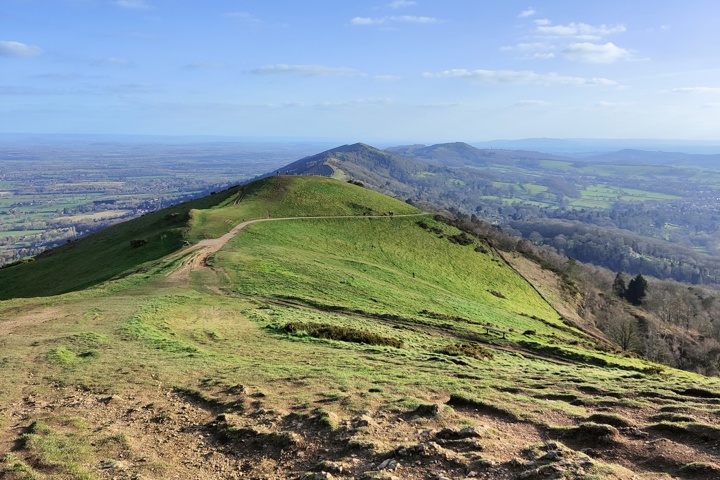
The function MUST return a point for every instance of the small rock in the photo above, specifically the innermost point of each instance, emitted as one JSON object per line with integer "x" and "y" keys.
{"x": 551, "y": 455}
{"x": 427, "y": 410}
{"x": 327, "y": 466}
{"x": 316, "y": 476}
{"x": 363, "y": 421}
{"x": 389, "y": 464}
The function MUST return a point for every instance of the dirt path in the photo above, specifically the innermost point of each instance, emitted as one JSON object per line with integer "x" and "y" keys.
{"x": 204, "y": 248}
{"x": 32, "y": 316}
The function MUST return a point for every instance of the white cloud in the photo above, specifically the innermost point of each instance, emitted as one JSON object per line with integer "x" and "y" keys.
{"x": 530, "y": 47}
{"x": 113, "y": 62}
{"x": 132, "y": 88}
{"x": 580, "y": 31}
{"x": 361, "y": 21}
{"x": 133, "y": 4}
{"x": 401, "y": 4}
{"x": 532, "y": 103}
{"x": 595, "y": 53}
{"x": 528, "y": 12}
{"x": 307, "y": 71}
{"x": 205, "y": 65}
{"x": 524, "y": 77}
{"x": 697, "y": 90}
{"x": 244, "y": 17}
{"x": 612, "y": 105}
{"x": 387, "y": 78}
{"x": 18, "y": 49}
{"x": 537, "y": 50}
{"x": 542, "y": 22}
{"x": 357, "y": 102}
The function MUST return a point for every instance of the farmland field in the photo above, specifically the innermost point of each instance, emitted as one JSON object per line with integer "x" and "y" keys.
{"x": 50, "y": 193}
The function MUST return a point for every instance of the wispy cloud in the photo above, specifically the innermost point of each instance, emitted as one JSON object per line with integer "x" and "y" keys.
{"x": 579, "y": 31}
{"x": 529, "y": 47}
{"x": 523, "y": 77}
{"x": 18, "y": 49}
{"x": 307, "y": 71}
{"x": 13, "y": 90}
{"x": 112, "y": 62}
{"x": 536, "y": 50}
{"x": 133, "y": 4}
{"x": 387, "y": 78}
{"x": 401, "y": 4}
{"x": 64, "y": 76}
{"x": 696, "y": 90}
{"x": 439, "y": 105}
{"x": 205, "y": 66}
{"x": 244, "y": 17}
{"x": 531, "y": 103}
{"x": 595, "y": 53}
{"x": 131, "y": 88}
{"x": 359, "y": 101}
{"x": 528, "y": 12}
{"x": 365, "y": 21}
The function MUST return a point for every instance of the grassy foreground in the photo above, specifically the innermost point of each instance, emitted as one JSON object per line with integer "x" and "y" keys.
{"x": 358, "y": 347}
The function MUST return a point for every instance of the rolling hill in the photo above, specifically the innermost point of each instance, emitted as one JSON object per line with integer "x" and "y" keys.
{"x": 305, "y": 327}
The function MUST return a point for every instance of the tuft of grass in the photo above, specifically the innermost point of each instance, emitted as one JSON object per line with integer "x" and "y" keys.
{"x": 474, "y": 351}
{"x": 54, "y": 449}
{"x": 590, "y": 432}
{"x": 345, "y": 334}
{"x": 613, "y": 419}
{"x": 672, "y": 417}
{"x": 702, "y": 468}
{"x": 62, "y": 356}
{"x": 16, "y": 469}
{"x": 462, "y": 400}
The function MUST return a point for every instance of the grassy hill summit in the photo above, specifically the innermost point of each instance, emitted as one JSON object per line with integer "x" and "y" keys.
{"x": 135, "y": 244}
{"x": 306, "y": 327}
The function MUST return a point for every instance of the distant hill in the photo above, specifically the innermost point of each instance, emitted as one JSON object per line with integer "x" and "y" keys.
{"x": 582, "y": 147}
{"x": 461, "y": 154}
{"x": 383, "y": 170}
{"x": 645, "y": 157}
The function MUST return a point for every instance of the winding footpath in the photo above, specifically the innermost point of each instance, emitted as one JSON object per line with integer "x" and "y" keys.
{"x": 204, "y": 248}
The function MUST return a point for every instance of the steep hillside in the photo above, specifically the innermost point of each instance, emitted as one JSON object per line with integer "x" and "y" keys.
{"x": 382, "y": 170}
{"x": 362, "y": 344}
{"x": 133, "y": 245}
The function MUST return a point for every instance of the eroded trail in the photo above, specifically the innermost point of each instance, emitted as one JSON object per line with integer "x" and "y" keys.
{"x": 197, "y": 254}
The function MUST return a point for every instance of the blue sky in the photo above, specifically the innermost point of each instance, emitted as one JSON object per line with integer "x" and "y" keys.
{"x": 345, "y": 70}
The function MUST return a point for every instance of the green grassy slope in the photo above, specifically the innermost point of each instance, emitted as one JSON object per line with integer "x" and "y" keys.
{"x": 257, "y": 366}
{"x": 393, "y": 268}
{"x": 108, "y": 253}
{"x": 294, "y": 196}
{"x": 105, "y": 254}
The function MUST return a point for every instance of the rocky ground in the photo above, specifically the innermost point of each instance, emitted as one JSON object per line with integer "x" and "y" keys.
{"x": 241, "y": 434}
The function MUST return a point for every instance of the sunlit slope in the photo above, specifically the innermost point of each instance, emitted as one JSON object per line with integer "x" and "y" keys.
{"x": 408, "y": 271}
{"x": 332, "y": 341}
{"x": 111, "y": 252}
{"x": 105, "y": 254}
{"x": 294, "y": 196}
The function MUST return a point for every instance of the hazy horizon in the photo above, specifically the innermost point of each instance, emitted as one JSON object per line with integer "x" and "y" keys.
{"x": 383, "y": 70}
